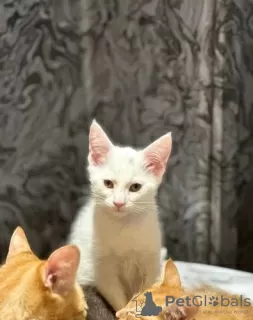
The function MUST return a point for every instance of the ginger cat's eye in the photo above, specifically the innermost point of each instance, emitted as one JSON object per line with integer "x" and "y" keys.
{"x": 135, "y": 187}
{"x": 108, "y": 184}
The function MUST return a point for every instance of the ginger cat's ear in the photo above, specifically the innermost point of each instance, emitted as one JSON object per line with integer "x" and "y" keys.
{"x": 18, "y": 243}
{"x": 171, "y": 276}
{"x": 61, "y": 269}
{"x": 99, "y": 144}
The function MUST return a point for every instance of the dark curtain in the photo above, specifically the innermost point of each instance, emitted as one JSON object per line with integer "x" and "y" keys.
{"x": 141, "y": 68}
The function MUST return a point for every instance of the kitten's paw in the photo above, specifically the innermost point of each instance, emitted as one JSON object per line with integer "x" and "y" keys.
{"x": 125, "y": 313}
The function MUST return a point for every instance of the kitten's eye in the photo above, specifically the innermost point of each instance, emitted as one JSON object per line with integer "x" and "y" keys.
{"x": 135, "y": 187}
{"x": 108, "y": 184}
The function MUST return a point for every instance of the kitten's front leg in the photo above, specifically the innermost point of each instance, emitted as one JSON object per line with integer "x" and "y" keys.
{"x": 110, "y": 286}
{"x": 151, "y": 268}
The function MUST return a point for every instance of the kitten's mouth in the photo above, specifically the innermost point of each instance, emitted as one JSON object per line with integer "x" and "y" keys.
{"x": 120, "y": 212}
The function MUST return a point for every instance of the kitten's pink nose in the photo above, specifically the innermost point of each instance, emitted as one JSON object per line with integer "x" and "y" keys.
{"x": 118, "y": 204}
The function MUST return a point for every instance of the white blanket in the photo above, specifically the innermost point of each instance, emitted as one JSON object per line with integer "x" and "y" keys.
{"x": 195, "y": 274}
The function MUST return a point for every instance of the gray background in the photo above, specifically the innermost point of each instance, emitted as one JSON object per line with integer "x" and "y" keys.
{"x": 141, "y": 68}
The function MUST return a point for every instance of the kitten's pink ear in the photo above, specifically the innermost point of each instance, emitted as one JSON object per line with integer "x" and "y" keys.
{"x": 99, "y": 144}
{"x": 18, "y": 243}
{"x": 156, "y": 155}
{"x": 61, "y": 268}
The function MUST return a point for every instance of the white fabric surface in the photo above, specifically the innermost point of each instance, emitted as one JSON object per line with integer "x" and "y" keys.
{"x": 234, "y": 281}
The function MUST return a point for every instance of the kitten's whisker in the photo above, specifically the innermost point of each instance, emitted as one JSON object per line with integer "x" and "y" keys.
{"x": 138, "y": 211}
{"x": 97, "y": 195}
{"x": 103, "y": 202}
{"x": 146, "y": 205}
{"x": 141, "y": 202}
{"x": 137, "y": 203}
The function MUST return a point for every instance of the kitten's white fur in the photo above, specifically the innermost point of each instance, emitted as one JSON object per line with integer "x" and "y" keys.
{"x": 120, "y": 250}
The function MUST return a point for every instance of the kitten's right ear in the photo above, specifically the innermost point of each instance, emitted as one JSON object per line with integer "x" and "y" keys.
{"x": 61, "y": 268}
{"x": 18, "y": 243}
{"x": 99, "y": 144}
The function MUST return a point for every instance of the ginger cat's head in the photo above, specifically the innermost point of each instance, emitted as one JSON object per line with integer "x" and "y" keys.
{"x": 170, "y": 286}
{"x": 125, "y": 180}
{"x": 31, "y": 288}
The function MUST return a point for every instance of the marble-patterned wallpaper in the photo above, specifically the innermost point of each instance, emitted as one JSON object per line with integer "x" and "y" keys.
{"x": 142, "y": 68}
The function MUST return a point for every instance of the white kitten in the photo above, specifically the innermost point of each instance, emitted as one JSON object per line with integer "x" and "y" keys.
{"x": 118, "y": 230}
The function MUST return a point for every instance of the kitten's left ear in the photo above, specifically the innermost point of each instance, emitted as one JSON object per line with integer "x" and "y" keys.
{"x": 156, "y": 155}
{"x": 18, "y": 243}
{"x": 61, "y": 269}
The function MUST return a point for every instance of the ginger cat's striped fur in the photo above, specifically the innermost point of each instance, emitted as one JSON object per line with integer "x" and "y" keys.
{"x": 32, "y": 289}
{"x": 171, "y": 286}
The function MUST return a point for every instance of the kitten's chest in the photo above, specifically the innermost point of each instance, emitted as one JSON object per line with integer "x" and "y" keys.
{"x": 119, "y": 238}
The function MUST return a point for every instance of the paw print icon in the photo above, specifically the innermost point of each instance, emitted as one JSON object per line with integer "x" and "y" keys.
{"x": 214, "y": 301}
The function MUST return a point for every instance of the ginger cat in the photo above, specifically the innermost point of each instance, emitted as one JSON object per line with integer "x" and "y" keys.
{"x": 31, "y": 288}
{"x": 197, "y": 307}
